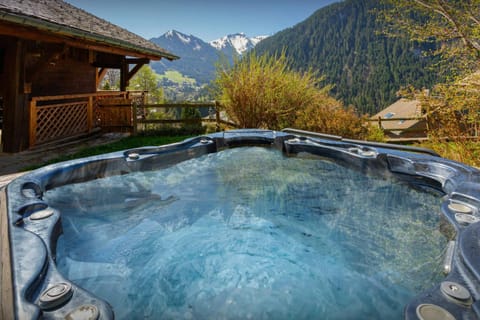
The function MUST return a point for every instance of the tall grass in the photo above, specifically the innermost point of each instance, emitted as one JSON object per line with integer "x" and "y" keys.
{"x": 264, "y": 92}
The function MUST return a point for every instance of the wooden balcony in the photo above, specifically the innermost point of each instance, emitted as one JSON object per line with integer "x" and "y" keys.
{"x": 57, "y": 118}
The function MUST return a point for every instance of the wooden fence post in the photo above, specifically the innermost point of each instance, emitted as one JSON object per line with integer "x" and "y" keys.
{"x": 90, "y": 114}
{"x": 33, "y": 122}
{"x": 217, "y": 115}
{"x": 427, "y": 126}
{"x": 134, "y": 117}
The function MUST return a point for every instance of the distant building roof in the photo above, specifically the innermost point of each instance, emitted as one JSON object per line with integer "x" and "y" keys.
{"x": 62, "y": 18}
{"x": 403, "y": 108}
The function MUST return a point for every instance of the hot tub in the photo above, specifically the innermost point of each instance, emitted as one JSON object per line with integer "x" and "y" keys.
{"x": 245, "y": 224}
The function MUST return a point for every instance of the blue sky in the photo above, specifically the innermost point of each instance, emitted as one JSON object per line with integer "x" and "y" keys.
{"x": 206, "y": 19}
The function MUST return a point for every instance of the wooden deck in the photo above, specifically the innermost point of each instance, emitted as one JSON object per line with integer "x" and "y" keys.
{"x": 6, "y": 179}
{"x": 11, "y": 164}
{"x": 6, "y": 292}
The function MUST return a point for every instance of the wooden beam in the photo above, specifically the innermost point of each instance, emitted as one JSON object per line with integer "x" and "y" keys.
{"x": 101, "y": 72}
{"x": 135, "y": 69}
{"x": 107, "y": 65}
{"x": 138, "y": 64}
{"x": 15, "y": 30}
{"x": 109, "y": 61}
{"x": 81, "y": 95}
{"x": 33, "y": 123}
{"x": 137, "y": 61}
{"x": 181, "y": 105}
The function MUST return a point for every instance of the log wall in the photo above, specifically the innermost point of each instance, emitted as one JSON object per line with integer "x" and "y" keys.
{"x": 57, "y": 70}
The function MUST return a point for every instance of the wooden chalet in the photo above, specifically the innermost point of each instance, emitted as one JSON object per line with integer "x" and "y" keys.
{"x": 52, "y": 57}
{"x": 401, "y": 120}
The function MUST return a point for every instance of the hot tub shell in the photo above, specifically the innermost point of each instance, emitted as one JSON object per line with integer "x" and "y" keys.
{"x": 30, "y": 228}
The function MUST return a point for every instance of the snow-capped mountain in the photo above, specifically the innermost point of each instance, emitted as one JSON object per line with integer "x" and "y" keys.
{"x": 237, "y": 42}
{"x": 197, "y": 57}
{"x": 180, "y": 41}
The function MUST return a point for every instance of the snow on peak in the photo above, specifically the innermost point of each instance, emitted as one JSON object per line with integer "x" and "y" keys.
{"x": 183, "y": 37}
{"x": 238, "y": 41}
{"x": 257, "y": 39}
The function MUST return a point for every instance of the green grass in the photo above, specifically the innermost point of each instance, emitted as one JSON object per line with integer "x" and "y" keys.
{"x": 467, "y": 152}
{"x": 177, "y": 77}
{"x": 125, "y": 143}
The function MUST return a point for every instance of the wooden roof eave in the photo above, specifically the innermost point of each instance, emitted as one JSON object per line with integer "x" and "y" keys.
{"x": 91, "y": 41}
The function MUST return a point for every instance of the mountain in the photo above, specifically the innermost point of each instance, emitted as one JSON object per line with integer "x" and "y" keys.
{"x": 344, "y": 42}
{"x": 197, "y": 57}
{"x": 236, "y": 44}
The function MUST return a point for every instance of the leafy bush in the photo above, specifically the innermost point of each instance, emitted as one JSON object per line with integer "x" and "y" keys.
{"x": 453, "y": 118}
{"x": 375, "y": 133}
{"x": 263, "y": 92}
{"x": 194, "y": 118}
{"x": 465, "y": 151}
{"x": 327, "y": 115}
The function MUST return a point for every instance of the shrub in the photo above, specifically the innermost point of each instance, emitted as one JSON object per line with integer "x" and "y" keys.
{"x": 263, "y": 92}
{"x": 327, "y": 115}
{"x": 453, "y": 118}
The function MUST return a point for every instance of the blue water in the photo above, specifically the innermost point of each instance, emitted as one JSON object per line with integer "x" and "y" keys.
{"x": 250, "y": 234}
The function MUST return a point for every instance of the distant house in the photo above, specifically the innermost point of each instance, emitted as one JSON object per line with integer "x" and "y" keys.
{"x": 52, "y": 57}
{"x": 402, "y": 119}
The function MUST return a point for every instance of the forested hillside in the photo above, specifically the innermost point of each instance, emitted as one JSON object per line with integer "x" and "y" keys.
{"x": 344, "y": 43}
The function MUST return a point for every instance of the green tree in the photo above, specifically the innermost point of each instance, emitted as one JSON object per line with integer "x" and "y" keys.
{"x": 451, "y": 107}
{"x": 147, "y": 80}
{"x": 106, "y": 85}
{"x": 455, "y": 25}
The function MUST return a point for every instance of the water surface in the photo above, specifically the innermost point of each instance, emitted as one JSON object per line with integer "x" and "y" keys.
{"x": 247, "y": 233}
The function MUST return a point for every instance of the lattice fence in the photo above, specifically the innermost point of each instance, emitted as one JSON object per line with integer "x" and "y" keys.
{"x": 58, "y": 117}
{"x": 60, "y": 121}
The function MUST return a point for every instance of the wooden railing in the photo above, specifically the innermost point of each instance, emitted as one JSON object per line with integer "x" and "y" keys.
{"x": 469, "y": 131}
{"x": 146, "y": 114}
{"x": 407, "y": 133}
{"x": 53, "y": 118}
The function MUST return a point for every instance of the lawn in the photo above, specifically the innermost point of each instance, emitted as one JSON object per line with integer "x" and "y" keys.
{"x": 125, "y": 143}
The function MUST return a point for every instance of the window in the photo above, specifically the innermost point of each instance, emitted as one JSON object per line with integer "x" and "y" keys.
{"x": 389, "y": 115}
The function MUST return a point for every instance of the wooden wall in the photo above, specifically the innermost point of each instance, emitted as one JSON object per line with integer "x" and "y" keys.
{"x": 15, "y": 110}
{"x": 35, "y": 68}
{"x": 57, "y": 70}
